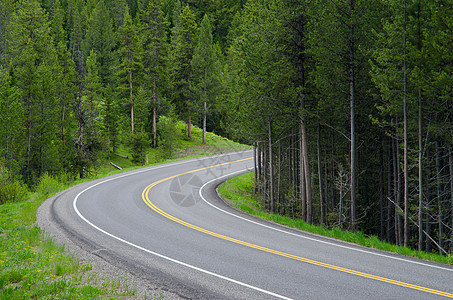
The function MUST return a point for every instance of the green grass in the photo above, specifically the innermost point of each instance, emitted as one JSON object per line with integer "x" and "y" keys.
{"x": 34, "y": 266}
{"x": 239, "y": 192}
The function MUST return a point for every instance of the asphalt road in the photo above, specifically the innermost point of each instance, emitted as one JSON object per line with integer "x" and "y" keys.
{"x": 167, "y": 225}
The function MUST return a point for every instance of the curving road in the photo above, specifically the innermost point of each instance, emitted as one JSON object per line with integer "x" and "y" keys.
{"x": 167, "y": 225}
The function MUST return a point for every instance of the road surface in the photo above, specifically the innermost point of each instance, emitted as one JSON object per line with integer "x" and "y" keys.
{"x": 167, "y": 225}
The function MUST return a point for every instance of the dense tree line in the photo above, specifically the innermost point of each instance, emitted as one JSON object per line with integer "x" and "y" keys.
{"x": 348, "y": 103}
{"x": 79, "y": 78}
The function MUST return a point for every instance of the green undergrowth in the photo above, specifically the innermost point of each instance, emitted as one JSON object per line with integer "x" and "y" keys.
{"x": 182, "y": 148}
{"x": 239, "y": 192}
{"x": 33, "y": 266}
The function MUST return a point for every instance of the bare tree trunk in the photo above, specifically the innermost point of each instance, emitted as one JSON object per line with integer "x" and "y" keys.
{"x": 307, "y": 175}
{"x": 420, "y": 145}
{"x": 260, "y": 169}
{"x": 450, "y": 167}
{"x": 340, "y": 209}
{"x": 406, "y": 171}
{"x": 381, "y": 192}
{"x": 154, "y": 114}
{"x": 204, "y": 123}
{"x": 352, "y": 109}
{"x": 7, "y": 154}
{"x": 279, "y": 178}
{"x": 427, "y": 206}
{"x": 271, "y": 170}
{"x": 397, "y": 188}
{"x": 439, "y": 198}
{"x": 265, "y": 170}
{"x": 189, "y": 125}
{"x": 62, "y": 124}
{"x": 420, "y": 181}
{"x": 255, "y": 165}
{"x": 302, "y": 186}
{"x": 132, "y": 103}
{"x": 320, "y": 181}
{"x": 29, "y": 128}
{"x": 389, "y": 188}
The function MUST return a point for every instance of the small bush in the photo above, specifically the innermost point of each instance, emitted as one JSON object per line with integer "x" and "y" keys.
{"x": 14, "y": 191}
{"x": 139, "y": 143}
{"x": 48, "y": 185}
{"x": 11, "y": 190}
{"x": 169, "y": 135}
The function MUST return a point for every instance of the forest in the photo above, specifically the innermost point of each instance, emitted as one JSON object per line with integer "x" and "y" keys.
{"x": 348, "y": 103}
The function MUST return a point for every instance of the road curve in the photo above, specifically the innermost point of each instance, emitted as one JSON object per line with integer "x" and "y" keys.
{"x": 167, "y": 225}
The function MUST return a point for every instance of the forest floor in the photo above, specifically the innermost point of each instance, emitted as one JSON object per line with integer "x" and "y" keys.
{"x": 32, "y": 265}
{"x": 239, "y": 193}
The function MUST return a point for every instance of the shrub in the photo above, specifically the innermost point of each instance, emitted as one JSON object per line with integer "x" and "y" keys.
{"x": 169, "y": 135}
{"x": 11, "y": 190}
{"x": 48, "y": 185}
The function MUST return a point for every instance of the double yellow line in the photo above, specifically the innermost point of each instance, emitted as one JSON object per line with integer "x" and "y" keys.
{"x": 276, "y": 252}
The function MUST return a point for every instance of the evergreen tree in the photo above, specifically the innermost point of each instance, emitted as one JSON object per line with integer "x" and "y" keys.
{"x": 153, "y": 34}
{"x": 11, "y": 124}
{"x": 34, "y": 61}
{"x": 100, "y": 38}
{"x": 185, "y": 42}
{"x": 77, "y": 28}
{"x": 205, "y": 65}
{"x": 6, "y": 9}
{"x": 130, "y": 68}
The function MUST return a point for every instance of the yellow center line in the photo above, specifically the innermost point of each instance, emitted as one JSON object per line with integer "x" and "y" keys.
{"x": 145, "y": 198}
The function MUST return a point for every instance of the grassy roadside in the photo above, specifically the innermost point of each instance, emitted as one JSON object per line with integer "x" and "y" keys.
{"x": 239, "y": 193}
{"x": 34, "y": 266}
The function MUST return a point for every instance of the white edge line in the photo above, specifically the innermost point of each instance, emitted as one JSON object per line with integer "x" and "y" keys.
{"x": 306, "y": 237}
{"x": 74, "y": 204}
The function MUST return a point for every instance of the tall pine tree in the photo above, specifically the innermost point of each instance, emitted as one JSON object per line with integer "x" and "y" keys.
{"x": 206, "y": 69}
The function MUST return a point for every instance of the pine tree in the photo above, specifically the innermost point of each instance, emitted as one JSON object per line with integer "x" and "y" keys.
{"x": 129, "y": 70}
{"x": 101, "y": 38}
{"x": 153, "y": 32}
{"x": 11, "y": 124}
{"x": 34, "y": 60}
{"x": 6, "y": 9}
{"x": 185, "y": 42}
{"x": 205, "y": 65}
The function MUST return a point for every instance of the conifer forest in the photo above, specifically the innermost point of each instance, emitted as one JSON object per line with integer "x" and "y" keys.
{"x": 348, "y": 103}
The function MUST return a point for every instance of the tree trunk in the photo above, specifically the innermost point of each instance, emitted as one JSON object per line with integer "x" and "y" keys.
{"x": 189, "y": 125}
{"x": 305, "y": 167}
{"x": 427, "y": 206}
{"x": 439, "y": 198}
{"x": 204, "y": 123}
{"x": 154, "y": 114}
{"x": 406, "y": 181}
{"x": 352, "y": 108}
{"x": 389, "y": 189}
{"x": 255, "y": 162}
{"x": 279, "y": 178}
{"x": 381, "y": 192}
{"x": 450, "y": 167}
{"x": 320, "y": 181}
{"x": 259, "y": 164}
{"x": 271, "y": 170}
{"x": 397, "y": 187}
{"x": 132, "y": 103}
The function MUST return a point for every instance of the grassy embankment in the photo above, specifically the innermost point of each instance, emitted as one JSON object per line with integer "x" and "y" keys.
{"x": 34, "y": 266}
{"x": 239, "y": 192}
